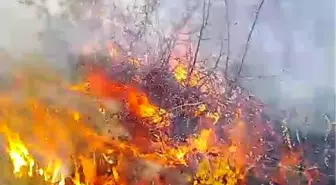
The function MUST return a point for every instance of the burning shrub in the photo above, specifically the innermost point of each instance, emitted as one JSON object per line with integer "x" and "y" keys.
{"x": 117, "y": 131}
{"x": 161, "y": 119}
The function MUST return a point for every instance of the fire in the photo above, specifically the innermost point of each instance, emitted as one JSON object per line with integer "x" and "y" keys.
{"x": 76, "y": 133}
{"x": 137, "y": 101}
{"x": 218, "y": 168}
{"x": 18, "y": 153}
{"x": 201, "y": 143}
{"x": 181, "y": 73}
{"x": 182, "y": 76}
{"x": 24, "y": 163}
{"x": 197, "y": 77}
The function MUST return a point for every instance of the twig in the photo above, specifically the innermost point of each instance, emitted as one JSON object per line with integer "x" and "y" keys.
{"x": 330, "y": 123}
{"x": 257, "y": 77}
{"x": 205, "y": 18}
{"x": 214, "y": 68}
{"x": 186, "y": 105}
{"x": 228, "y": 40}
{"x": 171, "y": 42}
{"x": 298, "y": 138}
{"x": 326, "y": 140}
{"x": 249, "y": 38}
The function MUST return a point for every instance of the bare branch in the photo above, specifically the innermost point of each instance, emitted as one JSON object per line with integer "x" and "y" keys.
{"x": 257, "y": 77}
{"x": 186, "y": 105}
{"x": 170, "y": 42}
{"x": 249, "y": 38}
{"x": 330, "y": 123}
{"x": 213, "y": 70}
{"x": 228, "y": 40}
{"x": 205, "y": 19}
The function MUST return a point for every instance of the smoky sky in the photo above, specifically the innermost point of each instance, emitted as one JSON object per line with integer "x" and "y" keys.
{"x": 292, "y": 46}
{"x": 19, "y": 28}
{"x": 293, "y": 42}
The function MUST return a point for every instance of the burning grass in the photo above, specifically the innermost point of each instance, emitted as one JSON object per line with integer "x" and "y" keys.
{"x": 158, "y": 127}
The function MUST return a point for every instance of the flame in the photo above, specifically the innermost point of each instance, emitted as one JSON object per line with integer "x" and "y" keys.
{"x": 182, "y": 75}
{"x": 193, "y": 76}
{"x": 113, "y": 49}
{"x": 201, "y": 142}
{"x": 218, "y": 168}
{"x": 137, "y": 101}
{"x": 58, "y": 137}
{"x": 23, "y": 162}
{"x": 18, "y": 152}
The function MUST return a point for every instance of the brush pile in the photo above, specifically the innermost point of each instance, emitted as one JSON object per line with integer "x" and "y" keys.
{"x": 126, "y": 122}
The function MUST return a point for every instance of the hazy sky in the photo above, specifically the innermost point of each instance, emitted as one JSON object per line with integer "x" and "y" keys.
{"x": 19, "y": 27}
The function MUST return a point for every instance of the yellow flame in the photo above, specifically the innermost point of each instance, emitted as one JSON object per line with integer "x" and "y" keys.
{"x": 201, "y": 142}
{"x": 76, "y": 116}
{"x": 180, "y": 73}
{"x": 18, "y": 153}
{"x": 214, "y": 115}
{"x": 219, "y": 166}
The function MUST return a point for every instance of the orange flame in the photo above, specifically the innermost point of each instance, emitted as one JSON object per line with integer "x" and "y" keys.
{"x": 137, "y": 101}
{"x": 58, "y": 128}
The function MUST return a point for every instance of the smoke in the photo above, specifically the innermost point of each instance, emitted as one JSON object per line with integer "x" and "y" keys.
{"x": 292, "y": 47}
{"x": 18, "y": 33}
{"x": 291, "y": 54}
{"x": 292, "y": 51}
{"x": 295, "y": 38}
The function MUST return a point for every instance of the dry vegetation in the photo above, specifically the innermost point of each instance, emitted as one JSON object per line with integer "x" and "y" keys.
{"x": 137, "y": 113}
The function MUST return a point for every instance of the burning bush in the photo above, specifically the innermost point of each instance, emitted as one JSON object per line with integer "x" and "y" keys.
{"x": 163, "y": 117}
{"x": 152, "y": 126}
